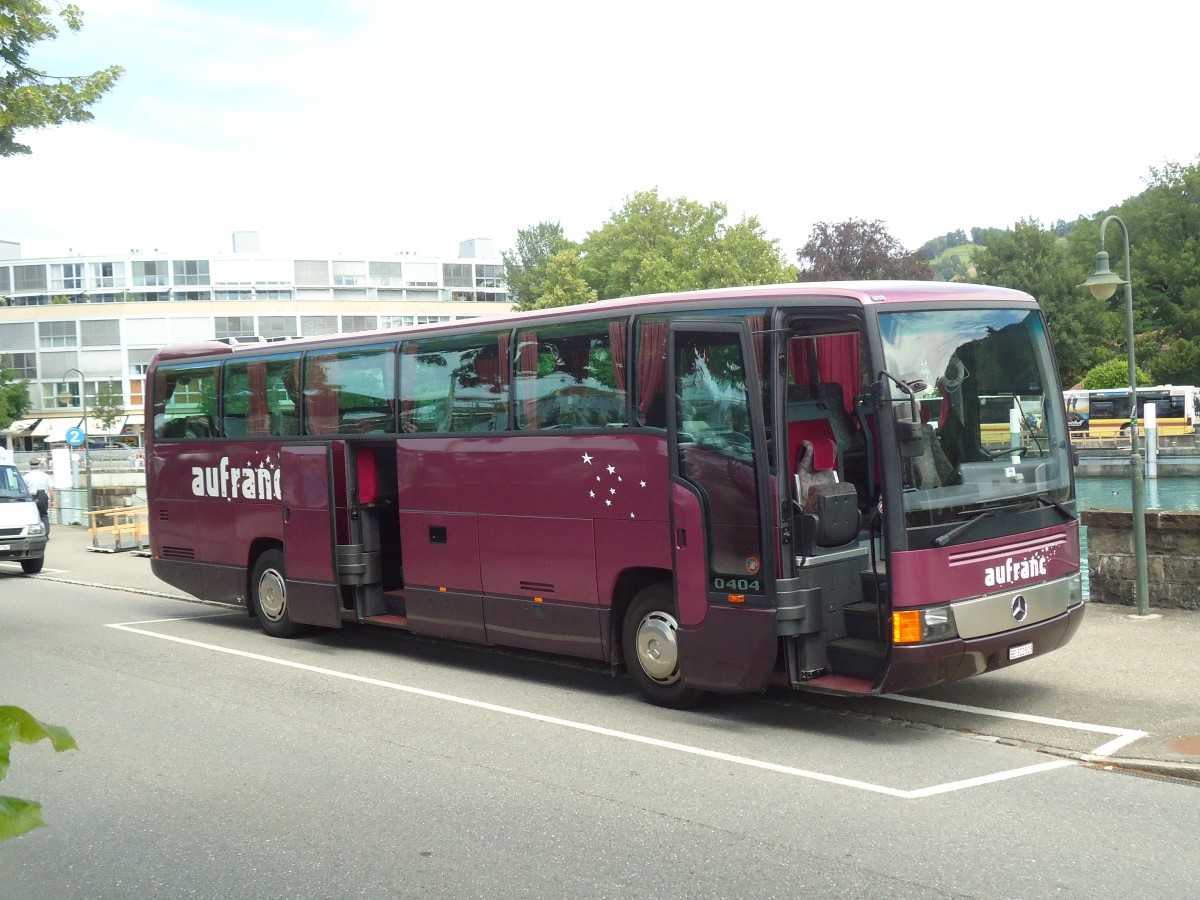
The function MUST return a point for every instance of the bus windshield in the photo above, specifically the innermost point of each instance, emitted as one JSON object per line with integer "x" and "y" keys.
{"x": 990, "y": 432}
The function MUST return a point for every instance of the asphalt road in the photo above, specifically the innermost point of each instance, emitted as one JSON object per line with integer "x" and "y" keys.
{"x": 216, "y": 762}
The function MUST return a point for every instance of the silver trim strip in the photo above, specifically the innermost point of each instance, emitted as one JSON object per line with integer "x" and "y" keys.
{"x": 993, "y": 613}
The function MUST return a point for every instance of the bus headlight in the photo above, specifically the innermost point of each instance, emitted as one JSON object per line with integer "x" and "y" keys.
{"x": 937, "y": 624}
{"x": 915, "y": 626}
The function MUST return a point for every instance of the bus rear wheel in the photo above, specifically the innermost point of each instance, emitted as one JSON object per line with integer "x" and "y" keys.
{"x": 649, "y": 640}
{"x": 268, "y": 593}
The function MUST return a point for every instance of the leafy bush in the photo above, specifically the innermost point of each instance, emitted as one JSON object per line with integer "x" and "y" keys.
{"x": 18, "y": 816}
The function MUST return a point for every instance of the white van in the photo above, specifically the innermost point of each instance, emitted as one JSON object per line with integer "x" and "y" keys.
{"x": 21, "y": 536}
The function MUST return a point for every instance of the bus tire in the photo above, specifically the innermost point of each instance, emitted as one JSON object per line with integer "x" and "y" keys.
{"x": 32, "y": 566}
{"x": 268, "y": 594}
{"x": 649, "y": 643}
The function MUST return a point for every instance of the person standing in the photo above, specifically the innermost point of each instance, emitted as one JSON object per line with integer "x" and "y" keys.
{"x": 42, "y": 488}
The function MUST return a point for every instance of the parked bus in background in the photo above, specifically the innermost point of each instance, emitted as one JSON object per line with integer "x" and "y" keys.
{"x": 1105, "y": 413}
{"x": 724, "y": 490}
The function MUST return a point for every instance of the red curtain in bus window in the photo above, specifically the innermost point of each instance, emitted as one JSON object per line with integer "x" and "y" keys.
{"x": 321, "y": 394}
{"x": 837, "y": 361}
{"x": 259, "y": 421}
{"x": 502, "y": 343}
{"x": 616, "y": 346}
{"x": 408, "y": 384}
{"x": 651, "y": 372}
{"x": 527, "y": 370}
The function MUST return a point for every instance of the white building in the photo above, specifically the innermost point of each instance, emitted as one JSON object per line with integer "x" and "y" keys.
{"x": 81, "y": 327}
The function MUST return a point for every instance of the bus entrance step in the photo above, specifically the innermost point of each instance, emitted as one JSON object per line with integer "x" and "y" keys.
{"x": 856, "y": 657}
{"x": 390, "y": 621}
{"x": 862, "y": 620}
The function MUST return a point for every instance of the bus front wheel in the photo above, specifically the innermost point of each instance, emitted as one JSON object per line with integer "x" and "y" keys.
{"x": 649, "y": 640}
{"x": 268, "y": 592}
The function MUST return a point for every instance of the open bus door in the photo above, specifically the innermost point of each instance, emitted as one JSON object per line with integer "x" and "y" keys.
{"x": 307, "y": 482}
{"x": 724, "y": 565}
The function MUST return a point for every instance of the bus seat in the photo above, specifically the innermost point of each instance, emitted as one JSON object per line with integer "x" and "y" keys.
{"x": 845, "y": 429}
{"x": 368, "y": 475}
{"x": 820, "y": 434}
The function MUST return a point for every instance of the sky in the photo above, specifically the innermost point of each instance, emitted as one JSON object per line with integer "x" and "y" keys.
{"x": 379, "y": 128}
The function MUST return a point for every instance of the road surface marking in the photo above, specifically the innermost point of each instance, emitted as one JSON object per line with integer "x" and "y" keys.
{"x": 749, "y": 762}
{"x": 1124, "y": 736}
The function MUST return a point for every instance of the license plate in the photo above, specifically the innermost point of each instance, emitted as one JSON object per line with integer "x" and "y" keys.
{"x": 5, "y": 546}
{"x": 1020, "y": 651}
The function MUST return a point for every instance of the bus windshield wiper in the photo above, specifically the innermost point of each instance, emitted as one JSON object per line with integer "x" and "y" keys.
{"x": 1047, "y": 500}
{"x": 943, "y": 539}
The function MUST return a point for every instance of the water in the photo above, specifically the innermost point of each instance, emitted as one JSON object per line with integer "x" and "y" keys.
{"x": 1107, "y": 492}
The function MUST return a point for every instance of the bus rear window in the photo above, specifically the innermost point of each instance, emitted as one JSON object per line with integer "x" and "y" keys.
{"x": 185, "y": 401}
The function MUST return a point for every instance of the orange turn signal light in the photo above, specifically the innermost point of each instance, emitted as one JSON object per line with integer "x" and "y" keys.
{"x": 736, "y": 598}
{"x": 906, "y": 626}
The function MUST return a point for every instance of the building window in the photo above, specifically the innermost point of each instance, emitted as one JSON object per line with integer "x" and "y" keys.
{"x": 359, "y": 323}
{"x": 273, "y": 295}
{"x": 348, "y": 274}
{"x": 17, "y": 336}
{"x": 234, "y": 326}
{"x": 60, "y": 395}
{"x": 191, "y": 295}
{"x": 66, "y": 277}
{"x": 233, "y": 295}
{"x": 456, "y": 275}
{"x": 100, "y": 333}
{"x": 110, "y": 391}
{"x": 191, "y": 271}
{"x": 29, "y": 278}
{"x": 386, "y": 274}
{"x": 150, "y": 273}
{"x": 489, "y": 276}
{"x": 315, "y": 326}
{"x": 108, "y": 274}
{"x": 57, "y": 334}
{"x": 24, "y": 365}
{"x": 5, "y": 279}
{"x": 277, "y": 326}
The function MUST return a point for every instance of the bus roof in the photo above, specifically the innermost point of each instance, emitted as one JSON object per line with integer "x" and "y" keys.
{"x": 866, "y": 293}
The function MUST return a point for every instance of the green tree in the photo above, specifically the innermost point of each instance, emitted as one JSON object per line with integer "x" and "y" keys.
{"x": 1114, "y": 374}
{"x": 18, "y": 816}
{"x": 562, "y": 282}
{"x": 14, "y": 397}
{"x": 931, "y": 249}
{"x": 1178, "y": 364}
{"x": 1085, "y": 331}
{"x": 29, "y": 97}
{"x": 525, "y": 266}
{"x": 1164, "y": 239}
{"x": 857, "y": 249}
{"x": 652, "y": 245}
{"x": 108, "y": 406}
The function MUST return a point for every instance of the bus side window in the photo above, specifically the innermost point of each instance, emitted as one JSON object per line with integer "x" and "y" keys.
{"x": 651, "y": 367}
{"x": 185, "y": 401}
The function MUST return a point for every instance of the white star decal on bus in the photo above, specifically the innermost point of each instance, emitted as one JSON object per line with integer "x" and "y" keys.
{"x": 587, "y": 459}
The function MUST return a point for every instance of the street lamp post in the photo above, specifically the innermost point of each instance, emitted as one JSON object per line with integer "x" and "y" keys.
{"x": 87, "y": 457}
{"x": 1103, "y": 283}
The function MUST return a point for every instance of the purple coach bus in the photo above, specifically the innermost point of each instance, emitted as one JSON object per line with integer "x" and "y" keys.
{"x": 722, "y": 490}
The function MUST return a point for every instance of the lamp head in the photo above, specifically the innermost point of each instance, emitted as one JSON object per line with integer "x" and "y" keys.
{"x": 1103, "y": 283}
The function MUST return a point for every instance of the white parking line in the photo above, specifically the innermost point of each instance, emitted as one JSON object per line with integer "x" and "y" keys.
{"x": 1125, "y": 735}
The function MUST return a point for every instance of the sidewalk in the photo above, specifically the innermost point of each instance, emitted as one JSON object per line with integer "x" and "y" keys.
{"x": 1121, "y": 670}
